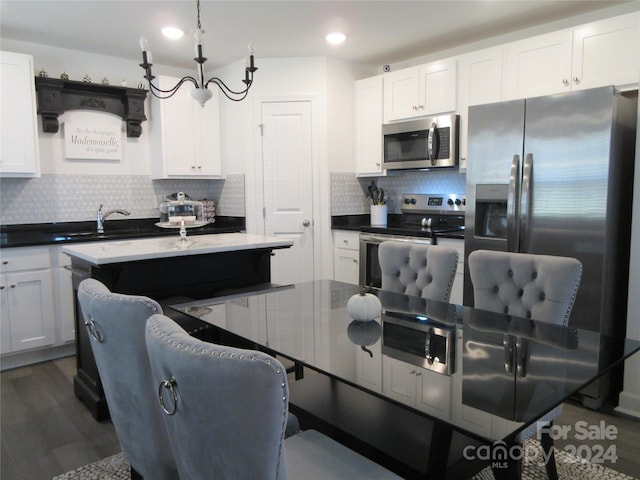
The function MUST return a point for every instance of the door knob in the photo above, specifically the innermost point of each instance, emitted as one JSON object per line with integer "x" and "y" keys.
{"x": 306, "y": 223}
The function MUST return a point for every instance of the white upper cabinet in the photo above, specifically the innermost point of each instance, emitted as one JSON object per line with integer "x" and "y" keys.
{"x": 368, "y": 104}
{"x": 607, "y": 53}
{"x": 419, "y": 91}
{"x": 597, "y": 54}
{"x": 439, "y": 86}
{"x": 402, "y": 95}
{"x": 185, "y": 137}
{"x": 19, "y": 141}
{"x": 538, "y": 66}
{"x": 480, "y": 83}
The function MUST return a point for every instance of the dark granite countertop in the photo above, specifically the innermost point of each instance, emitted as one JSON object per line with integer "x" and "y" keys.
{"x": 34, "y": 234}
{"x": 361, "y": 223}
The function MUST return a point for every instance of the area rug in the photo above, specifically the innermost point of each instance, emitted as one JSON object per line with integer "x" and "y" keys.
{"x": 569, "y": 468}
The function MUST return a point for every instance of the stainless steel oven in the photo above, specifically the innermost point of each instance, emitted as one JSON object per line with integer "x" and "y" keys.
{"x": 369, "y": 265}
{"x": 424, "y": 216}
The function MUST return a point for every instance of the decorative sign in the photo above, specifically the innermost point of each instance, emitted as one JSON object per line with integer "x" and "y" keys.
{"x": 94, "y": 137}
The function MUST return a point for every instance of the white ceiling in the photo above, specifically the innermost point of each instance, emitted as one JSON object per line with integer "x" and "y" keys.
{"x": 378, "y": 32}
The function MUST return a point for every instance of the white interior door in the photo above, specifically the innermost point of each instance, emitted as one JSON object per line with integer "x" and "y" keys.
{"x": 288, "y": 187}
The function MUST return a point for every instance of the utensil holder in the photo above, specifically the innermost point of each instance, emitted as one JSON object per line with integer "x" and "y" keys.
{"x": 379, "y": 215}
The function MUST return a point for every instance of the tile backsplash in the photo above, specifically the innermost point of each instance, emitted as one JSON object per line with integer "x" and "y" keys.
{"x": 70, "y": 198}
{"x": 349, "y": 193}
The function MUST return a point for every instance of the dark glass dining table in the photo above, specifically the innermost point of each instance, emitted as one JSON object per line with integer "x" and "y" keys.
{"x": 426, "y": 408}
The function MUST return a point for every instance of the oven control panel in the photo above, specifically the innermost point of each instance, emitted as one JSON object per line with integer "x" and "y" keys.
{"x": 433, "y": 203}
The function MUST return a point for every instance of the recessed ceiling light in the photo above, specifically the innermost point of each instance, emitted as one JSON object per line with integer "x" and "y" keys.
{"x": 172, "y": 32}
{"x": 336, "y": 38}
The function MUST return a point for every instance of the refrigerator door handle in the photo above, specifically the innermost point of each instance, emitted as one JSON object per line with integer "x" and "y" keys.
{"x": 513, "y": 225}
{"x": 525, "y": 200}
{"x": 509, "y": 348}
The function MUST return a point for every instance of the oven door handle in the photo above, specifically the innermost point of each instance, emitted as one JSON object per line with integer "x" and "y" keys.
{"x": 378, "y": 239}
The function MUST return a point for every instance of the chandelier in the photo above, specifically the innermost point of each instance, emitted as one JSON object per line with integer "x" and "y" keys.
{"x": 200, "y": 93}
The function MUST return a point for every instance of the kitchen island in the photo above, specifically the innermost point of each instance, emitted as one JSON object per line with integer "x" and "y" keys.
{"x": 164, "y": 269}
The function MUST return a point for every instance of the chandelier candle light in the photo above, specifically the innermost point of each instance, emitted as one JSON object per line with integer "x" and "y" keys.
{"x": 201, "y": 93}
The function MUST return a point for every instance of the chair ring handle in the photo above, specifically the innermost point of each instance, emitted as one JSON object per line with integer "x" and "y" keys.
{"x": 94, "y": 330}
{"x": 169, "y": 385}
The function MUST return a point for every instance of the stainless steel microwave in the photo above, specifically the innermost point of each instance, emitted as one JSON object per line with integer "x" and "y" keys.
{"x": 421, "y": 144}
{"x": 425, "y": 344}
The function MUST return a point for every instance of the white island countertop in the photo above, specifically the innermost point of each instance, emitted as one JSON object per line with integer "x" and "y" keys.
{"x": 117, "y": 251}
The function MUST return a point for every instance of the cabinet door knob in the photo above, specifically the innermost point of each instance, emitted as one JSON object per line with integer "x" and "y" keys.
{"x": 13, "y": 285}
{"x": 1, "y": 287}
{"x": 576, "y": 80}
{"x": 355, "y": 261}
{"x": 306, "y": 223}
{"x": 565, "y": 82}
{"x": 5, "y": 262}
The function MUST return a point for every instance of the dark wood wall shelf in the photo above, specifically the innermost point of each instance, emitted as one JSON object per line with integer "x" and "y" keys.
{"x": 56, "y": 96}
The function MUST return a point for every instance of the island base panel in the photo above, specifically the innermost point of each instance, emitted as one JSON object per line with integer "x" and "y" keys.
{"x": 189, "y": 277}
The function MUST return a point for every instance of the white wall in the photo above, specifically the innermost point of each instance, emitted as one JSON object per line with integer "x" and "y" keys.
{"x": 328, "y": 84}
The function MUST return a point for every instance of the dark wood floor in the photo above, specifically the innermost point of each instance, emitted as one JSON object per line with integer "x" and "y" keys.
{"x": 46, "y": 431}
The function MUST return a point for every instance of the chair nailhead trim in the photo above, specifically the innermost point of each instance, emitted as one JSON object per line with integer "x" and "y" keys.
{"x": 204, "y": 351}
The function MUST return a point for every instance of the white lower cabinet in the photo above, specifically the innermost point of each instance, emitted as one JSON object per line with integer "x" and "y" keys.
{"x": 346, "y": 256}
{"x": 26, "y": 296}
{"x": 36, "y": 300}
{"x": 428, "y": 391}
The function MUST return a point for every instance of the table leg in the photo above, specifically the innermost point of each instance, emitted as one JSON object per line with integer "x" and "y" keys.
{"x": 439, "y": 450}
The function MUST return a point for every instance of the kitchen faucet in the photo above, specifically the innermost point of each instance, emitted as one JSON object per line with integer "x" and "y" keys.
{"x": 101, "y": 217}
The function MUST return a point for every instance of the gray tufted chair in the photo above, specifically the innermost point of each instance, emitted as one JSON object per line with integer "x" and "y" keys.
{"x": 540, "y": 287}
{"x": 226, "y": 411}
{"x": 417, "y": 269}
{"x": 116, "y": 326}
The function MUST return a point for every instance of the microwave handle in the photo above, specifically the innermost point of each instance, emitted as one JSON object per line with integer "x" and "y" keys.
{"x": 427, "y": 347}
{"x": 432, "y": 143}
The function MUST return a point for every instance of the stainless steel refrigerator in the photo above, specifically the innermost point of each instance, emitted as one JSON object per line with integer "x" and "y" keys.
{"x": 554, "y": 175}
